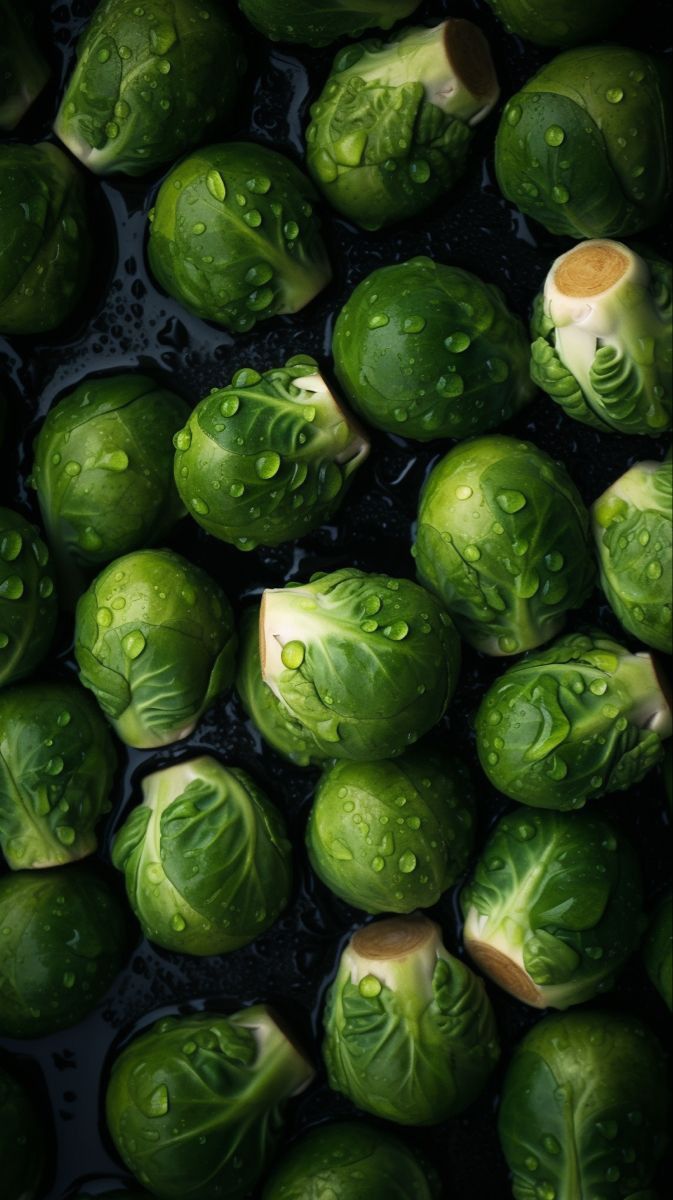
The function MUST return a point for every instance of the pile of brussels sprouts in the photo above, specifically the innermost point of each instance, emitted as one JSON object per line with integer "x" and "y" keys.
{"x": 347, "y": 674}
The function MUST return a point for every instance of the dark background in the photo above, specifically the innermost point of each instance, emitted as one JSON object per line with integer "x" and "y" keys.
{"x": 124, "y": 323}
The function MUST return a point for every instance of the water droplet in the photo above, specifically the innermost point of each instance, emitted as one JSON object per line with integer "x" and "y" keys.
{"x": 133, "y": 644}
{"x": 554, "y": 135}
{"x": 378, "y": 863}
{"x": 216, "y": 185}
{"x": 268, "y": 464}
{"x": 293, "y": 654}
{"x": 378, "y": 321}
{"x": 396, "y": 631}
{"x": 560, "y": 194}
{"x": 511, "y": 501}
{"x": 463, "y": 492}
{"x": 457, "y": 343}
{"x": 11, "y": 588}
{"x": 413, "y": 324}
{"x": 11, "y": 545}
{"x": 614, "y": 95}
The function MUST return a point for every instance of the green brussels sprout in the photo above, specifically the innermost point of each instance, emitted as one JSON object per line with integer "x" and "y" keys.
{"x": 155, "y": 643}
{"x": 149, "y": 83}
{"x": 44, "y": 237}
{"x": 391, "y": 130}
{"x": 632, "y": 528}
{"x": 275, "y": 723}
{"x": 57, "y": 764}
{"x": 364, "y": 663}
{"x": 469, "y": 353}
{"x": 585, "y": 1108}
{"x": 213, "y": 1088}
{"x": 558, "y": 22}
{"x": 64, "y": 939}
{"x": 103, "y": 472}
{"x": 234, "y": 238}
{"x": 206, "y": 858}
{"x": 21, "y": 1140}
{"x": 580, "y": 719}
{"x": 409, "y": 1030}
{"x": 23, "y": 71}
{"x": 503, "y": 539}
{"x": 564, "y": 151}
{"x": 658, "y": 950}
{"x": 28, "y": 601}
{"x": 319, "y": 22}
{"x": 351, "y": 1160}
{"x": 555, "y": 907}
{"x": 602, "y": 329}
{"x": 420, "y": 808}
{"x": 279, "y": 462}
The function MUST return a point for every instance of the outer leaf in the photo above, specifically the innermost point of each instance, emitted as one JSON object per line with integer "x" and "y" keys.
{"x": 558, "y": 22}
{"x": 149, "y": 83}
{"x": 213, "y": 1089}
{"x": 469, "y": 353}
{"x": 580, "y": 719}
{"x": 233, "y": 236}
{"x": 585, "y": 1108}
{"x": 157, "y": 661}
{"x": 319, "y": 22}
{"x": 28, "y": 601}
{"x": 57, "y": 763}
{"x": 44, "y": 238}
{"x": 564, "y": 153}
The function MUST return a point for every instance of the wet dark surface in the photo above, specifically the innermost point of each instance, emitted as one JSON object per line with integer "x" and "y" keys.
{"x": 124, "y": 323}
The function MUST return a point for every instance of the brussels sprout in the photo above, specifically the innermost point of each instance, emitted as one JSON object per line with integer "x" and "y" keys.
{"x": 391, "y": 131}
{"x": 602, "y": 330}
{"x": 155, "y": 643}
{"x": 28, "y": 602}
{"x": 206, "y": 858}
{"x": 213, "y": 1088}
{"x": 469, "y": 353}
{"x": 45, "y": 241}
{"x": 658, "y": 950}
{"x": 275, "y": 723}
{"x": 555, "y": 907}
{"x": 21, "y": 1141}
{"x": 580, "y": 719}
{"x": 558, "y": 22}
{"x": 409, "y": 1031}
{"x": 584, "y": 1109}
{"x": 365, "y": 664}
{"x": 565, "y": 153}
{"x": 64, "y": 940}
{"x": 149, "y": 83}
{"x": 392, "y": 836}
{"x": 103, "y": 471}
{"x": 277, "y": 465}
{"x": 632, "y": 527}
{"x": 57, "y": 763}
{"x": 233, "y": 236}
{"x": 319, "y": 22}
{"x": 503, "y": 539}
{"x": 351, "y": 1160}
{"x": 23, "y": 71}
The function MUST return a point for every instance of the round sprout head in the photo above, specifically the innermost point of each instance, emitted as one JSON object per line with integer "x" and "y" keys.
{"x": 565, "y": 154}
{"x": 214, "y": 1088}
{"x": 149, "y": 83}
{"x": 583, "y": 718}
{"x": 28, "y": 600}
{"x": 205, "y": 857}
{"x": 632, "y": 523}
{"x": 318, "y": 23}
{"x": 470, "y": 355}
{"x": 558, "y": 22}
{"x": 23, "y": 70}
{"x": 503, "y": 539}
{"x": 155, "y": 643}
{"x": 409, "y": 1031}
{"x": 391, "y": 131}
{"x": 103, "y": 472}
{"x": 57, "y": 764}
{"x": 22, "y": 1139}
{"x": 269, "y": 715}
{"x": 234, "y": 238}
{"x": 269, "y": 457}
{"x": 351, "y": 1160}
{"x": 45, "y": 238}
{"x": 585, "y": 1108}
{"x": 421, "y": 809}
{"x": 365, "y": 664}
{"x": 554, "y": 908}
{"x": 603, "y": 327}
{"x": 65, "y": 939}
